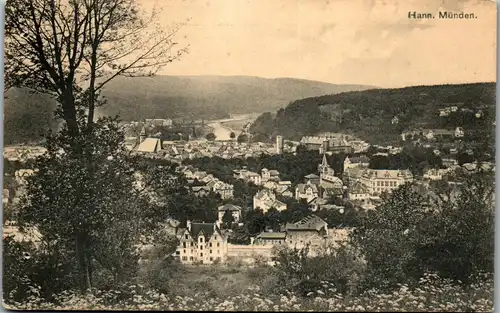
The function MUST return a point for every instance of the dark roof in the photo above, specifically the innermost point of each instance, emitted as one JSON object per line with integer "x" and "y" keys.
{"x": 271, "y": 235}
{"x": 199, "y": 188}
{"x": 229, "y": 207}
{"x": 311, "y": 176}
{"x": 208, "y": 229}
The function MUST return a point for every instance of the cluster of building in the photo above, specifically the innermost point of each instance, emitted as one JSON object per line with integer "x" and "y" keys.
{"x": 458, "y": 107}
{"x": 207, "y": 243}
{"x": 179, "y": 150}
{"x": 433, "y": 134}
{"x": 207, "y": 183}
{"x": 327, "y": 144}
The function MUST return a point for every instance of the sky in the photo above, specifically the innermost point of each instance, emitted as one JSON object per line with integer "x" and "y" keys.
{"x": 369, "y": 42}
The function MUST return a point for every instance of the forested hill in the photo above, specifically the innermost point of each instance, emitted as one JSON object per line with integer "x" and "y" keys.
{"x": 368, "y": 114}
{"x": 208, "y": 96}
{"x": 28, "y": 115}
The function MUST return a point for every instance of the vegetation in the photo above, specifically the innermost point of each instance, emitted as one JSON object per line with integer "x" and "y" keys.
{"x": 368, "y": 114}
{"x": 291, "y": 167}
{"x": 210, "y": 136}
{"x": 221, "y": 288}
{"x": 28, "y": 116}
{"x": 416, "y": 159}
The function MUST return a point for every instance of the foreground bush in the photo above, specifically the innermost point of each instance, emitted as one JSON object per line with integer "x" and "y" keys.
{"x": 432, "y": 294}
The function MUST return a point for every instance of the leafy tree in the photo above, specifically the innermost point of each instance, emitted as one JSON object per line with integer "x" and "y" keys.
{"x": 227, "y": 219}
{"x": 75, "y": 48}
{"x": 242, "y": 138}
{"x": 299, "y": 271}
{"x": 255, "y": 222}
{"x": 82, "y": 205}
{"x": 210, "y": 137}
{"x": 387, "y": 238}
{"x": 460, "y": 241}
{"x": 416, "y": 231}
{"x": 31, "y": 271}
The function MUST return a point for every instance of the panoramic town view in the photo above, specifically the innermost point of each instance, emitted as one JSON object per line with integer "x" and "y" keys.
{"x": 248, "y": 156}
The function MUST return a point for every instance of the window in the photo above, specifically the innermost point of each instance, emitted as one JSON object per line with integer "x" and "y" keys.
{"x": 211, "y": 259}
{"x": 190, "y": 258}
{"x": 210, "y": 251}
{"x": 192, "y": 244}
{"x": 210, "y": 245}
{"x": 218, "y": 252}
{"x": 184, "y": 245}
{"x": 201, "y": 239}
{"x": 215, "y": 237}
{"x": 186, "y": 236}
{"x": 201, "y": 247}
{"x": 218, "y": 244}
{"x": 184, "y": 251}
{"x": 201, "y": 254}
{"x": 178, "y": 252}
{"x": 184, "y": 258}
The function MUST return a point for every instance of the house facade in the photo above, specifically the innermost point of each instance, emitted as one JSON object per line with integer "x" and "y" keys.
{"x": 223, "y": 189}
{"x": 306, "y": 191}
{"x": 235, "y": 211}
{"x": 266, "y": 199}
{"x": 201, "y": 243}
{"x": 358, "y": 192}
{"x": 353, "y": 162}
{"x": 378, "y": 181}
{"x": 269, "y": 175}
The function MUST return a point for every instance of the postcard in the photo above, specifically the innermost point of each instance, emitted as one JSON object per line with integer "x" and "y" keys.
{"x": 249, "y": 155}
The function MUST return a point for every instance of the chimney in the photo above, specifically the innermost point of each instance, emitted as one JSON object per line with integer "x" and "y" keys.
{"x": 188, "y": 225}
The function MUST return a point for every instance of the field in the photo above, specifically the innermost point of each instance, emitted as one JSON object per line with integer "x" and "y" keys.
{"x": 236, "y": 288}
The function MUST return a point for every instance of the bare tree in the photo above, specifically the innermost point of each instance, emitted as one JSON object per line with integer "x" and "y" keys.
{"x": 72, "y": 48}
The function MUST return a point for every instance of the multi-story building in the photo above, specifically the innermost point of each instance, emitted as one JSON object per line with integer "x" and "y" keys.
{"x": 353, "y": 162}
{"x": 223, "y": 189}
{"x": 378, "y": 181}
{"x": 358, "y": 192}
{"x": 307, "y": 191}
{"x": 201, "y": 243}
{"x": 266, "y": 199}
{"x": 332, "y": 144}
{"x": 269, "y": 175}
{"x": 235, "y": 211}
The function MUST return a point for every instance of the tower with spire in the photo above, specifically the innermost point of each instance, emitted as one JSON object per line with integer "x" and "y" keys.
{"x": 324, "y": 168}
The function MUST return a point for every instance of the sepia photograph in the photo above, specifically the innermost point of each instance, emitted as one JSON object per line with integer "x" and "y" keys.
{"x": 249, "y": 155}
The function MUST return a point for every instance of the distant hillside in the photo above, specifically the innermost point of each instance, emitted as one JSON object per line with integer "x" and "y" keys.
{"x": 368, "y": 114}
{"x": 208, "y": 96}
{"x": 27, "y": 116}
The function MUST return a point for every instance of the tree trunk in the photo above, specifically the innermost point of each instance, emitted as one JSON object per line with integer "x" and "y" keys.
{"x": 83, "y": 266}
{"x": 69, "y": 112}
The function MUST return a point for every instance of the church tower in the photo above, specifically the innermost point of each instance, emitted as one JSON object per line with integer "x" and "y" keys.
{"x": 323, "y": 167}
